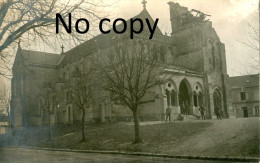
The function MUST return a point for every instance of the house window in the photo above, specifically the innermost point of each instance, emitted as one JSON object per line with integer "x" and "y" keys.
{"x": 243, "y": 96}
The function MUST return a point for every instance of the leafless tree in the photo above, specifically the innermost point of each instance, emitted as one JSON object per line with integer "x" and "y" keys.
{"x": 48, "y": 103}
{"x": 253, "y": 41}
{"x": 33, "y": 20}
{"x": 81, "y": 87}
{"x": 5, "y": 97}
{"x": 130, "y": 72}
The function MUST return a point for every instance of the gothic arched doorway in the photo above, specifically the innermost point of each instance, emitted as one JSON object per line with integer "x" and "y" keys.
{"x": 184, "y": 98}
{"x": 217, "y": 102}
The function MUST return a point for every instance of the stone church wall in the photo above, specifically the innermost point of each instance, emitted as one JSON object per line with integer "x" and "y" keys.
{"x": 17, "y": 113}
{"x": 194, "y": 48}
{"x": 191, "y": 60}
{"x": 149, "y": 111}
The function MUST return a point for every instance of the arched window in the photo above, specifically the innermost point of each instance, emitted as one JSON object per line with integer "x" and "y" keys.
{"x": 218, "y": 54}
{"x": 171, "y": 97}
{"x": 218, "y": 49}
{"x": 171, "y": 94}
{"x": 197, "y": 95}
{"x": 212, "y": 51}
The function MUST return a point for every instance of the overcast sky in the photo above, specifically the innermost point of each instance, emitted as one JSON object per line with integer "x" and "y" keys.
{"x": 230, "y": 19}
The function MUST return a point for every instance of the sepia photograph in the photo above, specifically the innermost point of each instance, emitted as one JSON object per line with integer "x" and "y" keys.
{"x": 126, "y": 81}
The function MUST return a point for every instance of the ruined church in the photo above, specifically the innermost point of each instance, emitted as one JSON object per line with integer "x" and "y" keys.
{"x": 194, "y": 60}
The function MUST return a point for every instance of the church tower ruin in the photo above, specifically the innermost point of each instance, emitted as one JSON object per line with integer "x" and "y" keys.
{"x": 199, "y": 48}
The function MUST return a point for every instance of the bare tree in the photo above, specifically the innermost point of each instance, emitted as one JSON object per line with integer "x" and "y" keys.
{"x": 5, "y": 97}
{"x": 253, "y": 41}
{"x": 130, "y": 72}
{"x": 81, "y": 85}
{"x": 33, "y": 20}
{"x": 48, "y": 103}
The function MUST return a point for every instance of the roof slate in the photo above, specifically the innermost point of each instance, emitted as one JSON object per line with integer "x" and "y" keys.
{"x": 41, "y": 58}
{"x": 244, "y": 81}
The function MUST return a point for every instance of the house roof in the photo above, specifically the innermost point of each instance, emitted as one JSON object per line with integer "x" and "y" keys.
{"x": 40, "y": 58}
{"x": 244, "y": 81}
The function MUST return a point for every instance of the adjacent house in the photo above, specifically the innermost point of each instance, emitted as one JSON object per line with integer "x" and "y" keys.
{"x": 245, "y": 95}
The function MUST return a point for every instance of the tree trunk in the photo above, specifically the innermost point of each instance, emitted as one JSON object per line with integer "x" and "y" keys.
{"x": 50, "y": 136}
{"x": 83, "y": 124}
{"x": 137, "y": 132}
{"x": 8, "y": 117}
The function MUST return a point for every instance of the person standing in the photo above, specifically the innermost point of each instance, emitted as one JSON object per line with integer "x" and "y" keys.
{"x": 202, "y": 112}
{"x": 218, "y": 113}
{"x": 182, "y": 108}
{"x": 168, "y": 113}
{"x": 186, "y": 108}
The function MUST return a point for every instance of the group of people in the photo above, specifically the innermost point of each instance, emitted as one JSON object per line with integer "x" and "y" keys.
{"x": 201, "y": 109}
{"x": 217, "y": 112}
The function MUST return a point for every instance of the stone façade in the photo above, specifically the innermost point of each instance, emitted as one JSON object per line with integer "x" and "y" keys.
{"x": 193, "y": 58}
{"x": 245, "y": 95}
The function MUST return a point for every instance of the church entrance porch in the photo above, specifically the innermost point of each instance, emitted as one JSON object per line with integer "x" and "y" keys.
{"x": 183, "y": 95}
{"x": 185, "y": 98}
